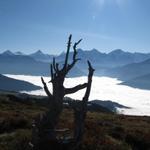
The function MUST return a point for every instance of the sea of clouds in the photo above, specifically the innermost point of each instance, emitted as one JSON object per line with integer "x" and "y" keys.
{"x": 103, "y": 88}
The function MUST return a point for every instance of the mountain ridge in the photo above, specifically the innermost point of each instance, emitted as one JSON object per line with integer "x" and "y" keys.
{"x": 114, "y": 64}
{"x": 141, "y": 82}
{"x": 130, "y": 71}
{"x": 10, "y": 84}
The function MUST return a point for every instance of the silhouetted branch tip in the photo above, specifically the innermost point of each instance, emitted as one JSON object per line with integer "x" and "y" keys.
{"x": 70, "y": 36}
{"x": 90, "y": 66}
{"x": 75, "y": 45}
{"x": 54, "y": 64}
{"x": 52, "y": 74}
{"x": 46, "y": 88}
{"x": 42, "y": 80}
{"x": 67, "y": 53}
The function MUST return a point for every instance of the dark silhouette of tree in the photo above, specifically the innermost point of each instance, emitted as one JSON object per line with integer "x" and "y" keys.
{"x": 44, "y": 133}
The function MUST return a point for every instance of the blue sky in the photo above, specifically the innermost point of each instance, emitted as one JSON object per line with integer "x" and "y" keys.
{"x": 30, "y": 25}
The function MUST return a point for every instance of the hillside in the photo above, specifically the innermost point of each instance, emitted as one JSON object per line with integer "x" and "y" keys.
{"x": 20, "y": 64}
{"x": 9, "y": 84}
{"x": 142, "y": 82}
{"x": 130, "y": 71}
{"x": 104, "y": 131}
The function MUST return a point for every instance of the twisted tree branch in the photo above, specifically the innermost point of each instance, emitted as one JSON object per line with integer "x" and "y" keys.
{"x": 46, "y": 88}
{"x": 67, "y": 53}
{"x": 75, "y": 89}
{"x": 88, "y": 89}
{"x": 74, "y": 59}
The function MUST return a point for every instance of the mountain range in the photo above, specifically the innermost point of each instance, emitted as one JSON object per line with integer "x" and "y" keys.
{"x": 119, "y": 64}
{"x": 115, "y": 58}
{"x": 12, "y": 63}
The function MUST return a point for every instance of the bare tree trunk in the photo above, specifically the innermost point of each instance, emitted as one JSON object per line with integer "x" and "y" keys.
{"x": 80, "y": 112}
{"x": 45, "y": 126}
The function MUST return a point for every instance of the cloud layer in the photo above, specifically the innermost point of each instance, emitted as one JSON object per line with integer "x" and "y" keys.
{"x": 103, "y": 88}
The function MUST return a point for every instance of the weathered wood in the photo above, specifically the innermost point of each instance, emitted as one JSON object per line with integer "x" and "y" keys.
{"x": 44, "y": 128}
{"x": 80, "y": 111}
{"x": 75, "y": 89}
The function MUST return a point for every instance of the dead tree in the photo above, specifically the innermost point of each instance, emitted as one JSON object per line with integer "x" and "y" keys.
{"x": 45, "y": 128}
{"x": 80, "y": 111}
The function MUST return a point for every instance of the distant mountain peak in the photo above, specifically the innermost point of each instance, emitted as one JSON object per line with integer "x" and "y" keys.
{"x": 89, "y": 51}
{"x": 8, "y": 52}
{"x": 117, "y": 51}
{"x": 40, "y": 56}
{"x": 94, "y": 50}
{"x": 19, "y": 53}
{"x": 80, "y": 50}
{"x": 38, "y": 52}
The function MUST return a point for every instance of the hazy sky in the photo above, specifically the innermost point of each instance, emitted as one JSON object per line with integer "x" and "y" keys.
{"x": 29, "y": 25}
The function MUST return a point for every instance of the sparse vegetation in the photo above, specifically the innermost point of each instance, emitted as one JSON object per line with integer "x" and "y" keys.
{"x": 104, "y": 131}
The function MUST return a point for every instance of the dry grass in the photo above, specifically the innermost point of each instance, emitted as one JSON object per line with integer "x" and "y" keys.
{"x": 103, "y": 131}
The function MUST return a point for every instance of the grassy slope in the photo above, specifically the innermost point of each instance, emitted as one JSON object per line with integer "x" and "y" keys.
{"x": 103, "y": 131}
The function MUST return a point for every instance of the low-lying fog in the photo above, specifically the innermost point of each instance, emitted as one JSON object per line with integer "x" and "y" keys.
{"x": 103, "y": 88}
